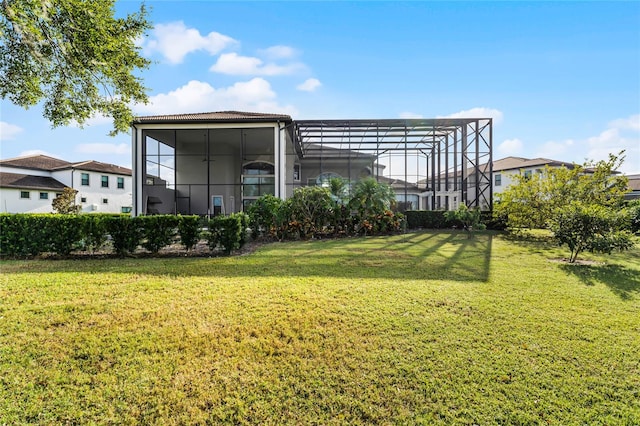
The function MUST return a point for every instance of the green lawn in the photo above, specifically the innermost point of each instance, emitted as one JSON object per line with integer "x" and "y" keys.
{"x": 427, "y": 328}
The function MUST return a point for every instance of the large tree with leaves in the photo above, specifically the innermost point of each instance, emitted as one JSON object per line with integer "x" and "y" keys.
{"x": 75, "y": 55}
{"x": 531, "y": 201}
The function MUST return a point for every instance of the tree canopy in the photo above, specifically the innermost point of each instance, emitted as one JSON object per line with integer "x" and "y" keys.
{"x": 74, "y": 55}
{"x": 531, "y": 201}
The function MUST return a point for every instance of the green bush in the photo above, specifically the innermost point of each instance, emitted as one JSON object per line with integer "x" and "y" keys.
{"x": 22, "y": 234}
{"x": 263, "y": 215}
{"x": 157, "y": 231}
{"x": 94, "y": 231}
{"x": 310, "y": 210}
{"x": 426, "y": 219}
{"x": 633, "y": 213}
{"x": 63, "y": 232}
{"x": 125, "y": 232}
{"x": 189, "y": 231}
{"x": 225, "y": 232}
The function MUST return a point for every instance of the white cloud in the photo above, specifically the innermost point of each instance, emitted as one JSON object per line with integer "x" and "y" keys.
{"x": 309, "y": 85}
{"x": 630, "y": 123}
{"x": 478, "y": 112}
{"x": 278, "y": 52}
{"x": 174, "y": 41}
{"x": 197, "y": 96}
{"x": 510, "y": 147}
{"x": 234, "y": 64}
{"x": 555, "y": 150}
{"x": 408, "y": 114}
{"x": 621, "y": 134}
{"x": 104, "y": 148}
{"x": 37, "y": 152}
{"x": 8, "y": 131}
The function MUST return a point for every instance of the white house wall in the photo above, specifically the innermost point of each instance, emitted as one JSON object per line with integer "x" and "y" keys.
{"x": 11, "y": 202}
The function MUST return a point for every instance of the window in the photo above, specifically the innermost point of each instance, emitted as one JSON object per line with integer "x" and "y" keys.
{"x": 324, "y": 178}
{"x": 125, "y": 209}
{"x": 296, "y": 172}
{"x": 498, "y": 180}
{"x": 527, "y": 174}
{"x": 149, "y": 181}
{"x": 217, "y": 205}
{"x": 25, "y": 194}
{"x": 258, "y": 179}
{"x": 120, "y": 183}
{"x": 83, "y": 199}
{"x": 104, "y": 181}
{"x": 105, "y": 201}
{"x": 84, "y": 179}
{"x": 44, "y": 195}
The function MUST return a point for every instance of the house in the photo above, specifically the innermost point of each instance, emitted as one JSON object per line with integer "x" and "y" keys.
{"x": 221, "y": 162}
{"x": 29, "y": 184}
{"x": 634, "y": 187}
{"x": 506, "y": 168}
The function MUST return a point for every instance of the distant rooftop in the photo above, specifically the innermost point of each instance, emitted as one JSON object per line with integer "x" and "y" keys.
{"x": 226, "y": 116}
{"x": 46, "y": 163}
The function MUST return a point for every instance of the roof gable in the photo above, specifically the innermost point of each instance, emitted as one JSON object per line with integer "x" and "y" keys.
{"x": 36, "y": 162}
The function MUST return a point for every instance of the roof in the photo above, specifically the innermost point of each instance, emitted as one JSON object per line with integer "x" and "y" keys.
{"x": 46, "y": 163}
{"x": 516, "y": 163}
{"x": 37, "y": 162}
{"x": 97, "y": 166}
{"x": 219, "y": 116}
{"x": 20, "y": 181}
{"x": 634, "y": 182}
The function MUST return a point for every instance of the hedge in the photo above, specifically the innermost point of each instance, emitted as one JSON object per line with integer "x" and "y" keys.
{"x": 436, "y": 219}
{"x": 33, "y": 234}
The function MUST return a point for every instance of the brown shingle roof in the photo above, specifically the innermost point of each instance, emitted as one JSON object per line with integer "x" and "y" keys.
{"x": 37, "y": 162}
{"x": 96, "y": 166}
{"x": 43, "y": 162}
{"x": 511, "y": 163}
{"x": 634, "y": 182}
{"x": 20, "y": 181}
{"x": 221, "y": 116}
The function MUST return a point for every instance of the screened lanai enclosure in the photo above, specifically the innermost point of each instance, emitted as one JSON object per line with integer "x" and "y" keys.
{"x": 220, "y": 163}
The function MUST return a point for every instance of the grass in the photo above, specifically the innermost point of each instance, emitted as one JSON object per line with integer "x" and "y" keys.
{"x": 427, "y": 328}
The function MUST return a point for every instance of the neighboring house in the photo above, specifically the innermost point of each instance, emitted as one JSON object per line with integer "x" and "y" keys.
{"x": 221, "y": 162}
{"x": 29, "y": 184}
{"x": 634, "y": 187}
{"x": 506, "y": 168}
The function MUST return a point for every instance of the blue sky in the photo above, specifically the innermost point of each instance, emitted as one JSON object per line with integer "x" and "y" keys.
{"x": 560, "y": 79}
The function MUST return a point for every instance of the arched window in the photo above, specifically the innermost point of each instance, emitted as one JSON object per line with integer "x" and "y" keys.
{"x": 258, "y": 179}
{"x": 324, "y": 178}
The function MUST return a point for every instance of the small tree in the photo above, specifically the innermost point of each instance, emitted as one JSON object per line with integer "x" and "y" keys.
{"x": 65, "y": 203}
{"x": 591, "y": 227}
{"x": 531, "y": 201}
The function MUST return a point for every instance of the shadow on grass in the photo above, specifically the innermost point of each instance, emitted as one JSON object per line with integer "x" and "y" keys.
{"x": 621, "y": 280}
{"x": 443, "y": 255}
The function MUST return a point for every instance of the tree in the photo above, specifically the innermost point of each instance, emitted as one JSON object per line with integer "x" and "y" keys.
{"x": 65, "y": 203}
{"x": 371, "y": 197}
{"x": 591, "y": 227}
{"x": 74, "y": 55}
{"x": 532, "y": 201}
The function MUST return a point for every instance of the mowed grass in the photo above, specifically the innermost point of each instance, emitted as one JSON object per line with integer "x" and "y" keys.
{"x": 423, "y": 328}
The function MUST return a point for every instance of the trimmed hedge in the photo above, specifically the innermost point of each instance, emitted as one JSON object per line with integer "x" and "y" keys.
{"x": 436, "y": 219}
{"x": 33, "y": 234}
{"x": 227, "y": 232}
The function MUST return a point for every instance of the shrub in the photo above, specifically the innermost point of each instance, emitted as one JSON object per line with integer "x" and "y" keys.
{"x": 125, "y": 232}
{"x": 63, "y": 233}
{"x": 310, "y": 210}
{"x": 226, "y": 232}
{"x": 65, "y": 203}
{"x": 157, "y": 231}
{"x": 94, "y": 231}
{"x": 263, "y": 215}
{"x": 189, "y": 230}
{"x": 427, "y": 219}
{"x": 633, "y": 213}
{"x": 22, "y": 234}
